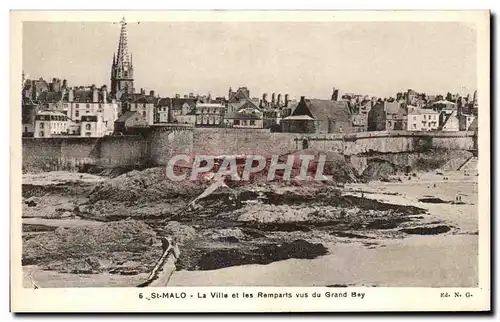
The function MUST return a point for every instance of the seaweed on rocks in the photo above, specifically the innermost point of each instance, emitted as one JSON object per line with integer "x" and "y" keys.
{"x": 265, "y": 254}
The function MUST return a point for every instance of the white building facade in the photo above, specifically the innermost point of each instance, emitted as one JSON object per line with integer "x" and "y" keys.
{"x": 50, "y": 123}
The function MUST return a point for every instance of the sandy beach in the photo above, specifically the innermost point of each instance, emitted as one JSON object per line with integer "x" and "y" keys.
{"x": 447, "y": 259}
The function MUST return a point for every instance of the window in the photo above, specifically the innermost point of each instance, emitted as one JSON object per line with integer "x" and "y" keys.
{"x": 144, "y": 105}
{"x": 88, "y": 134}
{"x": 252, "y": 122}
{"x": 77, "y": 113}
{"x": 425, "y": 116}
{"x": 414, "y": 125}
{"x": 87, "y": 127}
{"x": 389, "y": 123}
{"x": 144, "y": 113}
{"x": 414, "y": 118}
{"x": 88, "y": 106}
{"x": 41, "y": 125}
{"x": 236, "y": 122}
{"x": 41, "y": 133}
{"x": 77, "y": 105}
{"x": 25, "y": 129}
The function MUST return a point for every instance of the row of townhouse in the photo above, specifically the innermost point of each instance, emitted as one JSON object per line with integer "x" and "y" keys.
{"x": 79, "y": 111}
{"x": 341, "y": 116}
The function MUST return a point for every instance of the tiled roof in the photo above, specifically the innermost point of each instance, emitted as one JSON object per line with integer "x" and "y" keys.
{"x": 240, "y": 94}
{"x": 420, "y": 111}
{"x": 138, "y": 98}
{"x": 81, "y": 95}
{"x": 299, "y": 117}
{"x": 125, "y": 116}
{"x": 473, "y": 125}
{"x": 249, "y": 105}
{"x": 327, "y": 109}
{"x": 176, "y": 103}
{"x": 50, "y": 97}
{"x": 393, "y": 108}
{"x": 445, "y": 102}
{"x": 448, "y": 117}
{"x": 243, "y": 116}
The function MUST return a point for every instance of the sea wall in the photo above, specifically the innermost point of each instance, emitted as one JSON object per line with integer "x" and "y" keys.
{"x": 221, "y": 141}
{"x": 389, "y": 142}
{"x": 166, "y": 142}
{"x": 73, "y": 153}
{"x": 162, "y": 142}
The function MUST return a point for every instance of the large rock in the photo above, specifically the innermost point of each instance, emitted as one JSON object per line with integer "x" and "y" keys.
{"x": 72, "y": 247}
{"x": 179, "y": 232}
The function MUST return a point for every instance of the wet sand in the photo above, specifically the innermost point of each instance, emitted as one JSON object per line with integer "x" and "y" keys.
{"x": 419, "y": 261}
{"x": 427, "y": 261}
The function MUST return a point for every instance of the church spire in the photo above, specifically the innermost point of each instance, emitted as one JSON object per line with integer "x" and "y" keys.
{"x": 122, "y": 72}
{"x": 122, "y": 54}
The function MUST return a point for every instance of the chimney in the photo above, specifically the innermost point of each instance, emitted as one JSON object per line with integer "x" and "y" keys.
{"x": 95, "y": 94}
{"x": 177, "y": 95}
{"x": 286, "y": 100}
{"x": 335, "y": 94}
{"x": 279, "y": 100}
{"x": 151, "y": 93}
{"x": 143, "y": 92}
{"x": 63, "y": 92}
{"x": 65, "y": 83}
{"x": 71, "y": 95}
{"x": 273, "y": 99}
{"x": 264, "y": 97}
{"x": 302, "y": 99}
{"x": 104, "y": 92}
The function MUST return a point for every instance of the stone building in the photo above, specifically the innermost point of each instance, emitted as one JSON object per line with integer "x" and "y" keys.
{"x": 162, "y": 110}
{"x": 241, "y": 94}
{"x": 29, "y": 110}
{"x": 377, "y": 117}
{"x": 396, "y": 116}
{"x": 177, "y": 108}
{"x": 93, "y": 126}
{"x": 74, "y": 102}
{"x": 209, "y": 114}
{"x": 81, "y": 101}
{"x": 448, "y": 121}
{"x": 328, "y": 116}
{"x": 420, "y": 119}
{"x": 144, "y": 104}
{"x": 122, "y": 69}
{"x": 50, "y": 123}
{"x": 129, "y": 122}
{"x": 246, "y": 115}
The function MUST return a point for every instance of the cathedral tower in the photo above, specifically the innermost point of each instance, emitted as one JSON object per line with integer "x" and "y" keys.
{"x": 122, "y": 70}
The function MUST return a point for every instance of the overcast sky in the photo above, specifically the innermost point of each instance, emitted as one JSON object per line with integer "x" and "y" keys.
{"x": 376, "y": 58}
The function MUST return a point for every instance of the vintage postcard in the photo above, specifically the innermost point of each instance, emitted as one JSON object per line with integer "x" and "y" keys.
{"x": 250, "y": 161}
